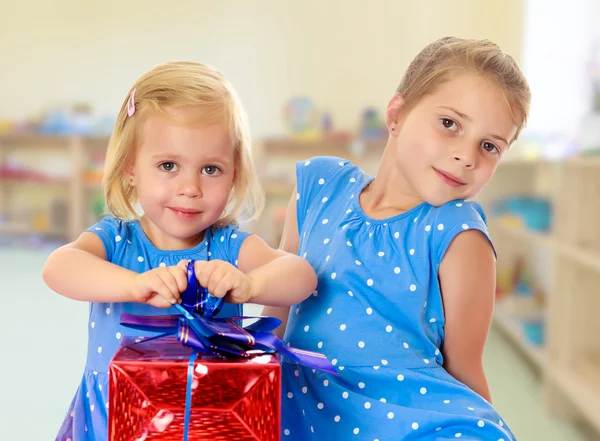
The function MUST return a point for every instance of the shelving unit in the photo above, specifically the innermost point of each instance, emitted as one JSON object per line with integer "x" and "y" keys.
{"x": 36, "y": 188}
{"x": 566, "y": 261}
{"x": 512, "y": 327}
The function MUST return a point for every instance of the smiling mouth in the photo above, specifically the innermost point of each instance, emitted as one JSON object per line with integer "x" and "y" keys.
{"x": 185, "y": 213}
{"x": 449, "y": 179}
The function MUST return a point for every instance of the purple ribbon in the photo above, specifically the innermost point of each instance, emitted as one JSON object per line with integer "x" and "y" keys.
{"x": 197, "y": 328}
{"x": 225, "y": 338}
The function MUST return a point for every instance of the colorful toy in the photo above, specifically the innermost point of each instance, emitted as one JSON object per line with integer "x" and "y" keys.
{"x": 372, "y": 126}
{"x": 301, "y": 117}
{"x": 534, "y": 214}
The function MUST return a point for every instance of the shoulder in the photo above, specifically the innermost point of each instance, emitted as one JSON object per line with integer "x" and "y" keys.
{"x": 320, "y": 170}
{"x": 453, "y": 218}
{"x": 324, "y": 173}
{"x": 227, "y": 241}
{"x": 115, "y": 235}
{"x": 456, "y": 213}
{"x": 228, "y": 234}
{"x": 111, "y": 224}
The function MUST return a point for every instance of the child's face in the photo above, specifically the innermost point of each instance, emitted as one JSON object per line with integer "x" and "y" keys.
{"x": 183, "y": 174}
{"x": 449, "y": 144}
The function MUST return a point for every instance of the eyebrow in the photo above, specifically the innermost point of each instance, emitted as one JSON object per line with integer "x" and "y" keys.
{"x": 166, "y": 155}
{"x": 176, "y": 157}
{"x": 464, "y": 116}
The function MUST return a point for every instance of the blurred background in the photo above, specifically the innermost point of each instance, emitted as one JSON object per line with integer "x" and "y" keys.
{"x": 315, "y": 77}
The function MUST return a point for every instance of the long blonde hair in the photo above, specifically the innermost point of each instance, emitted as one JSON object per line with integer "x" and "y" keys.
{"x": 176, "y": 85}
{"x": 439, "y": 61}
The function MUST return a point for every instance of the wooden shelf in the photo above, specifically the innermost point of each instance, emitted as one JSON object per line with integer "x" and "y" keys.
{"x": 583, "y": 161}
{"x": 532, "y": 237}
{"x": 78, "y": 150}
{"x": 582, "y": 386}
{"x": 520, "y": 162}
{"x": 306, "y": 148}
{"x": 33, "y": 140}
{"x": 511, "y": 327}
{"x": 22, "y": 229}
{"x": 580, "y": 256}
{"x": 585, "y": 258}
{"x": 352, "y": 149}
{"x": 36, "y": 182}
{"x": 563, "y": 273}
{"x": 579, "y": 161}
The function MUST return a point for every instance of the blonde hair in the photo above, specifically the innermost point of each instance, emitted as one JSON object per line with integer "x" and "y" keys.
{"x": 439, "y": 61}
{"x": 177, "y": 85}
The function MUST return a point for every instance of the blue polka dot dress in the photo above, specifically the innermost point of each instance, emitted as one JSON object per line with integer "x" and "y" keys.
{"x": 127, "y": 245}
{"x": 377, "y": 314}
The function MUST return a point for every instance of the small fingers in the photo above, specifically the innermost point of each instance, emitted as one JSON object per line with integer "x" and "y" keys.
{"x": 180, "y": 275}
{"x": 223, "y": 285}
{"x": 159, "y": 301}
{"x": 242, "y": 291}
{"x": 161, "y": 287}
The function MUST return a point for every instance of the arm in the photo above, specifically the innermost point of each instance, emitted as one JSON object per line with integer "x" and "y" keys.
{"x": 468, "y": 279}
{"x": 290, "y": 240}
{"x": 79, "y": 271}
{"x": 280, "y": 278}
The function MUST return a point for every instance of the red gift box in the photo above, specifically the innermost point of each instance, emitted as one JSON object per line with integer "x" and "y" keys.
{"x": 230, "y": 400}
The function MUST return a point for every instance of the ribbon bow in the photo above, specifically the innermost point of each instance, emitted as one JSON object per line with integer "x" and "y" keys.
{"x": 198, "y": 328}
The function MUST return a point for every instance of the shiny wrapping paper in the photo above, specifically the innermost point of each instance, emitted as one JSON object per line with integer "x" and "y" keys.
{"x": 231, "y": 399}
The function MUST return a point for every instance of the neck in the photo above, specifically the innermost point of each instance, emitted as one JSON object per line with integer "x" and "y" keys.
{"x": 390, "y": 193}
{"x": 163, "y": 241}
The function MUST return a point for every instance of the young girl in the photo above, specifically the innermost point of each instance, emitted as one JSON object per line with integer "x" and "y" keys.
{"x": 406, "y": 270}
{"x": 180, "y": 149}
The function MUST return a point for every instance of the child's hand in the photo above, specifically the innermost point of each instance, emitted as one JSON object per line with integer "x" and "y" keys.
{"x": 160, "y": 287}
{"x": 222, "y": 278}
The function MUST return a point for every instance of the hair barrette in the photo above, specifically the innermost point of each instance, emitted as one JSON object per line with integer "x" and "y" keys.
{"x": 131, "y": 103}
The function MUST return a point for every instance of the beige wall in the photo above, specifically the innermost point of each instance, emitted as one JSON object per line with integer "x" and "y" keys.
{"x": 345, "y": 54}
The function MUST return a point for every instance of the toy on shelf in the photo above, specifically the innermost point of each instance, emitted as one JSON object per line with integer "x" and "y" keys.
{"x": 97, "y": 207}
{"x": 68, "y": 120}
{"x": 529, "y": 212}
{"x": 517, "y": 287}
{"x": 372, "y": 125}
{"x": 504, "y": 282}
{"x": 306, "y": 122}
{"x": 522, "y": 278}
{"x": 326, "y": 123}
{"x": 301, "y": 117}
{"x": 95, "y": 169}
{"x": 534, "y": 331}
{"x": 75, "y": 121}
{"x": 15, "y": 170}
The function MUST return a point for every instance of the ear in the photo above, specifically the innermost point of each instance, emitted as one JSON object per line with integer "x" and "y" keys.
{"x": 393, "y": 112}
{"x": 129, "y": 175}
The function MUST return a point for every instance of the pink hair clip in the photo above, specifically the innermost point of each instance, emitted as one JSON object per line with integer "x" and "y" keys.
{"x": 131, "y": 103}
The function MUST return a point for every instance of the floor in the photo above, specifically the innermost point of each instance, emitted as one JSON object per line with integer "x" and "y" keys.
{"x": 43, "y": 342}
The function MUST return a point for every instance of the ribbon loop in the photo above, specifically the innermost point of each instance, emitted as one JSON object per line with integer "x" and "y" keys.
{"x": 196, "y": 298}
